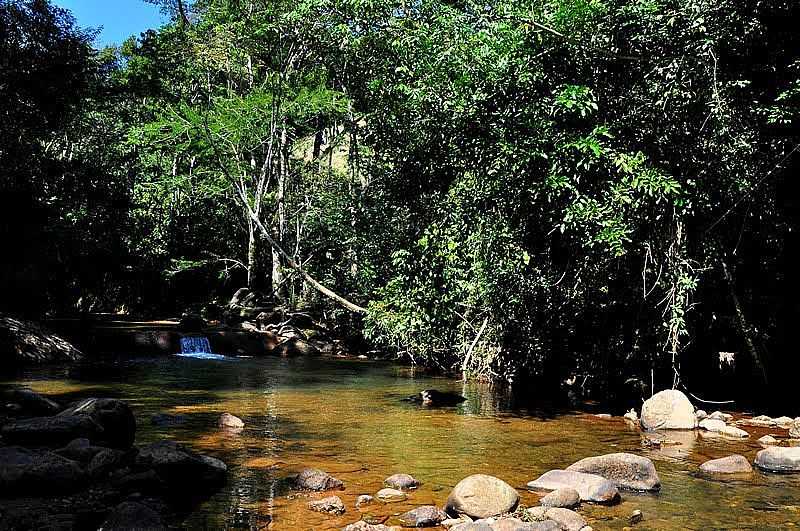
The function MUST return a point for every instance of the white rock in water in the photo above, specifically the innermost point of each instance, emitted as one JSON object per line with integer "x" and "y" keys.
{"x": 732, "y": 431}
{"x": 794, "y": 429}
{"x": 768, "y": 440}
{"x": 668, "y": 410}
{"x": 719, "y": 415}
{"x": 712, "y": 425}
{"x": 784, "y": 422}
{"x": 632, "y": 416}
{"x": 700, "y": 414}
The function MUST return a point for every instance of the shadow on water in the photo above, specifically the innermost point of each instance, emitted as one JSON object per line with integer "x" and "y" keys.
{"x": 347, "y": 417}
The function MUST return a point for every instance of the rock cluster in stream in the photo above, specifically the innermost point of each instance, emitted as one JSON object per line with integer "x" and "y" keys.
{"x": 77, "y": 467}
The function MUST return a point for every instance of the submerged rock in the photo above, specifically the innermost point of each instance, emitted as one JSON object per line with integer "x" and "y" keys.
{"x": 391, "y": 495}
{"x": 566, "y": 497}
{"x": 425, "y": 516}
{"x": 401, "y": 481}
{"x": 482, "y": 496}
{"x": 591, "y": 487}
{"x": 132, "y": 515}
{"x": 733, "y": 464}
{"x": 25, "y": 472}
{"x": 315, "y": 479}
{"x": 779, "y": 459}
{"x": 164, "y": 419}
{"x": 435, "y": 398}
{"x": 330, "y": 505}
{"x": 625, "y": 471}
{"x": 668, "y": 410}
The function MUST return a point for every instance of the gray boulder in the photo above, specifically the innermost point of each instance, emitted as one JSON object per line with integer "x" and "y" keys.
{"x": 424, "y": 516}
{"x": 566, "y": 519}
{"x": 24, "y": 471}
{"x": 733, "y": 464}
{"x": 178, "y": 466}
{"x": 668, "y": 410}
{"x": 316, "y": 480}
{"x": 625, "y": 471}
{"x": 566, "y": 497}
{"x": 330, "y": 505}
{"x": 132, "y": 515}
{"x": 482, "y": 496}
{"x": 401, "y": 482}
{"x": 779, "y": 459}
{"x": 591, "y": 487}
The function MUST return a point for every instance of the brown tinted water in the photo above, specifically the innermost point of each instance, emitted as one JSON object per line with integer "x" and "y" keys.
{"x": 346, "y": 417}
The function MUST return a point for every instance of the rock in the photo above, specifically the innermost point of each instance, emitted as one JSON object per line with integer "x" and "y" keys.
{"x": 315, "y": 479}
{"x": 591, "y": 487}
{"x": 625, "y": 471}
{"x": 762, "y": 421}
{"x": 482, "y": 496}
{"x": 794, "y": 429}
{"x": 106, "y": 461}
{"x": 50, "y": 431}
{"x": 515, "y": 524}
{"x": 540, "y": 516}
{"x": 480, "y": 525}
{"x": 566, "y": 519}
{"x": 733, "y": 464}
{"x": 603, "y": 415}
{"x": 435, "y": 398}
{"x": 635, "y": 517}
{"x": 768, "y": 440}
{"x": 24, "y": 342}
{"x": 330, "y": 505}
{"x": 31, "y": 404}
{"x": 390, "y": 495}
{"x": 114, "y": 417}
{"x": 733, "y": 431}
{"x": 719, "y": 415}
{"x": 712, "y": 425}
{"x": 364, "y": 499}
{"x": 226, "y": 420}
{"x": 178, "y": 466}
{"x": 631, "y": 415}
{"x": 401, "y": 482}
{"x": 566, "y": 497}
{"x": 668, "y": 410}
{"x": 132, "y": 515}
{"x": 700, "y": 414}
{"x": 779, "y": 459}
{"x": 80, "y": 450}
{"x": 163, "y": 419}
{"x": 191, "y": 322}
{"x": 424, "y": 516}
{"x": 451, "y": 522}
{"x": 294, "y": 348}
{"x": 364, "y": 526}
{"x": 37, "y": 472}
{"x": 784, "y": 422}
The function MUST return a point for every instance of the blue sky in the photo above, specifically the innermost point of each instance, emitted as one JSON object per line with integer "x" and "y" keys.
{"x": 119, "y": 18}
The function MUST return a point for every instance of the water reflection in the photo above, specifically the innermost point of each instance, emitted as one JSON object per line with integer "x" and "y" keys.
{"x": 347, "y": 418}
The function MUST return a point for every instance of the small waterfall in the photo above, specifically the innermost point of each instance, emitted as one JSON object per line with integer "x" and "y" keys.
{"x": 198, "y": 347}
{"x": 195, "y": 345}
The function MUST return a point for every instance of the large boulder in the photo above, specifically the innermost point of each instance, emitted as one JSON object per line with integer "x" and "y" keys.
{"x": 626, "y": 471}
{"x": 424, "y": 516}
{"x": 27, "y": 342}
{"x": 180, "y": 467}
{"x": 591, "y": 487}
{"x": 482, "y": 496}
{"x": 50, "y": 431}
{"x": 24, "y": 471}
{"x": 315, "y": 479}
{"x": 114, "y": 418}
{"x": 779, "y": 459}
{"x": 733, "y": 464}
{"x": 668, "y": 410}
{"x": 132, "y": 515}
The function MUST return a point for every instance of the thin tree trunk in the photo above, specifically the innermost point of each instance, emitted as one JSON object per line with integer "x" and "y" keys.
{"x": 744, "y": 328}
{"x": 252, "y": 255}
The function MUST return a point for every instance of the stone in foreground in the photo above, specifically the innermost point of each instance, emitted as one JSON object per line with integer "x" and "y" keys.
{"x": 24, "y": 471}
{"x": 591, "y": 487}
{"x": 315, "y": 479}
{"x": 425, "y": 516}
{"x": 625, "y": 471}
{"x": 566, "y": 519}
{"x": 567, "y": 498}
{"x": 364, "y": 526}
{"x": 482, "y": 496}
{"x": 132, "y": 515}
{"x": 733, "y": 464}
{"x": 330, "y": 505}
{"x": 668, "y": 410}
{"x": 779, "y": 459}
{"x": 401, "y": 482}
{"x": 178, "y": 466}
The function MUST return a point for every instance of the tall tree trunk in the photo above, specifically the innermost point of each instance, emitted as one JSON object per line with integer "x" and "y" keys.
{"x": 278, "y": 288}
{"x": 744, "y": 327}
{"x": 252, "y": 255}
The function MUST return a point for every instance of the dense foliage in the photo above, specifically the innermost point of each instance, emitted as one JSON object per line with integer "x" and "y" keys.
{"x": 582, "y": 189}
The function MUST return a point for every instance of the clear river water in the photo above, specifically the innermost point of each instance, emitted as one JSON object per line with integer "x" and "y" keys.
{"x": 347, "y": 418}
